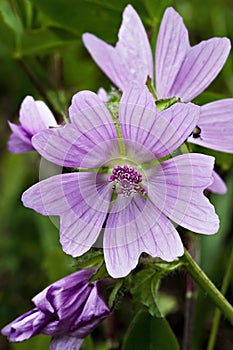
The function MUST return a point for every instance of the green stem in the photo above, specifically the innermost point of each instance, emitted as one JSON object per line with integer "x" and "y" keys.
{"x": 120, "y": 140}
{"x": 217, "y": 314}
{"x": 205, "y": 283}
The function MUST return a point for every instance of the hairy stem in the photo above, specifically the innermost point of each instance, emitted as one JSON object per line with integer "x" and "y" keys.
{"x": 205, "y": 283}
{"x": 217, "y": 314}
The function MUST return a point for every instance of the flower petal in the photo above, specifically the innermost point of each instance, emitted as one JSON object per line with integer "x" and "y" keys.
{"x": 103, "y": 95}
{"x": 35, "y": 115}
{"x": 176, "y": 187}
{"x": 94, "y": 311}
{"x": 81, "y": 199}
{"x": 218, "y": 186}
{"x": 159, "y": 132}
{"x": 171, "y": 48}
{"x": 201, "y": 65}
{"x": 134, "y": 226}
{"x": 88, "y": 113}
{"x": 131, "y": 59}
{"x": 62, "y": 342}
{"x": 56, "y": 296}
{"x": 19, "y": 141}
{"x": 216, "y": 124}
{"x": 65, "y": 146}
{"x": 25, "y": 326}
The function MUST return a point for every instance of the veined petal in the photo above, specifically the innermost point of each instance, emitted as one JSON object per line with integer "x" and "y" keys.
{"x": 94, "y": 311}
{"x": 200, "y": 66}
{"x": 218, "y": 186}
{"x": 55, "y": 297}
{"x": 134, "y": 226}
{"x": 216, "y": 124}
{"x": 66, "y": 146}
{"x": 176, "y": 187}
{"x": 62, "y": 342}
{"x": 88, "y": 113}
{"x": 35, "y": 115}
{"x": 19, "y": 141}
{"x": 131, "y": 59}
{"x": 25, "y": 326}
{"x": 80, "y": 199}
{"x": 171, "y": 48}
{"x": 159, "y": 132}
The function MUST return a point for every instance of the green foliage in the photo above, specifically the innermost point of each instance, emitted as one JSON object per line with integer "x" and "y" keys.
{"x": 145, "y": 289}
{"x": 75, "y": 15}
{"x": 147, "y": 332}
{"x": 11, "y": 19}
{"x": 90, "y": 259}
{"x": 115, "y": 293}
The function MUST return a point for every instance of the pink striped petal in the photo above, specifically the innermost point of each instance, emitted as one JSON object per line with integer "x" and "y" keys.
{"x": 35, "y": 116}
{"x": 134, "y": 226}
{"x": 200, "y": 67}
{"x": 218, "y": 186}
{"x": 159, "y": 132}
{"x": 65, "y": 146}
{"x": 171, "y": 48}
{"x": 19, "y": 141}
{"x": 216, "y": 124}
{"x": 62, "y": 342}
{"x": 89, "y": 114}
{"x": 103, "y": 95}
{"x": 80, "y": 199}
{"x": 176, "y": 188}
{"x": 131, "y": 59}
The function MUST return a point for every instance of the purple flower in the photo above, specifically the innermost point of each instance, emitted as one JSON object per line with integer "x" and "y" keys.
{"x": 34, "y": 116}
{"x": 121, "y": 185}
{"x": 68, "y": 310}
{"x": 182, "y": 71}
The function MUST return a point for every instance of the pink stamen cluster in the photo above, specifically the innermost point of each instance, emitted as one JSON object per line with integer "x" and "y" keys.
{"x": 126, "y": 180}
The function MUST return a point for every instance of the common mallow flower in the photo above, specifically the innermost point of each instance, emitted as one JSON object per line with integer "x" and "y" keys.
{"x": 34, "y": 116}
{"x": 120, "y": 184}
{"x": 182, "y": 71}
{"x": 67, "y": 310}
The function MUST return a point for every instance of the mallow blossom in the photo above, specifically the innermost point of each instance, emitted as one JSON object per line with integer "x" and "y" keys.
{"x": 182, "y": 71}
{"x": 68, "y": 310}
{"x": 120, "y": 185}
{"x": 34, "y": 116}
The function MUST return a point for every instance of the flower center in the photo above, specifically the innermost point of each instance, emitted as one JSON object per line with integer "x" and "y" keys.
{"x": 126, "y": 180}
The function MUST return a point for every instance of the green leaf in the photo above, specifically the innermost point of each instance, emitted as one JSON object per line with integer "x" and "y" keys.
{"x": 7, "y": 41}
{"x": 11, "y": 19}
{"x": 44, "y": 40}
{"x": 90, "y": 259}
{"x": 167, "y": 303}
{"x": 88, "y": 343}
{"x": 114, "y": 294}
{"x": 100, "y": 274}
{"x": 150, "y": 333}
{"x": 145, "y": 288}
{"x": 100, "y": 17}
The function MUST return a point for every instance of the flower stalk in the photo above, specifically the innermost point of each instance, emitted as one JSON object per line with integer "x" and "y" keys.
{"x": 205, "y": 283}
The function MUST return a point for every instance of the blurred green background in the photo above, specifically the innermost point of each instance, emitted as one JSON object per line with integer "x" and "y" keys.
{"x": 41, "y": 54}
